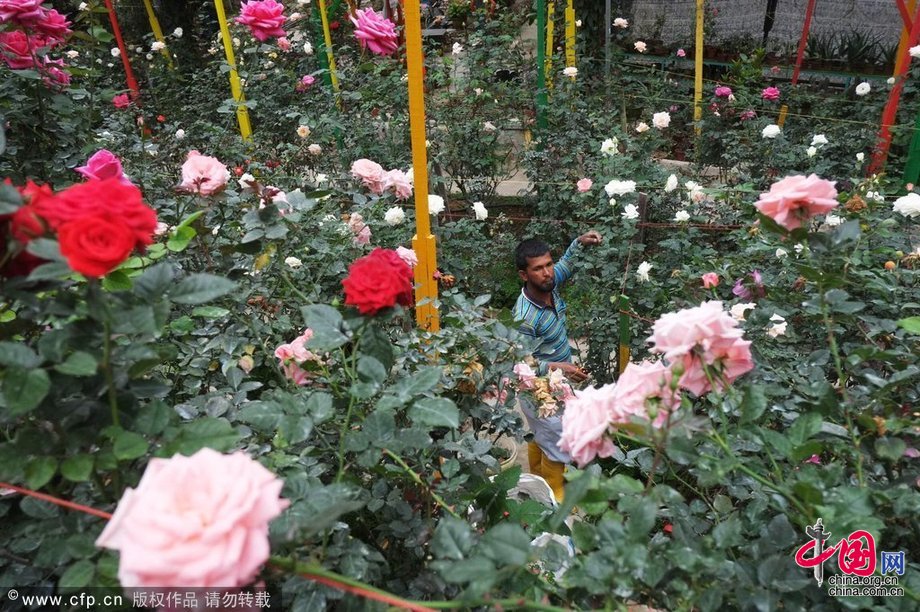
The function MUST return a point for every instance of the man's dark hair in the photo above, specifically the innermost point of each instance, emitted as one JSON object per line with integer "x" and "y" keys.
{"x": 532, "y": 247}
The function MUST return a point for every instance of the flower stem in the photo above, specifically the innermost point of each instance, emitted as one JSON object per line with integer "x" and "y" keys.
{"x": 107, "y": 368}
{"x": 418, "y": 480}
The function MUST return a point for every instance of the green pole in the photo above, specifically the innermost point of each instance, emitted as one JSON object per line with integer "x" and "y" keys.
{"x": 912, "y": 167}
{"x": 541, "y": 64}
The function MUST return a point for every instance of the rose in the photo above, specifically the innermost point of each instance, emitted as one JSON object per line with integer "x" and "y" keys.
{"x": 661, "y": 120}
{"x": 399, "y": 181}
{"x": 640, "y": 46}
{"x": 435, "y": 204}
{"x": 681, "y": 53}
{"x": 95, "y": 245}
{"x": 585, "y": 422}
{"x": 14, "y": 50}
{"x": 377, "y": 281}
{"x": 771, "y": 131}
{"x": 795, "y": 199}
{"x": 363, "y": 236}
{"x": 570, "y": 71}
{"x": 408, "y": 256}
{"x": 371, "y": 174}
{"x": 375, "y": 32}
{"x": 747, "y": 115}
{"x": 619, "y": 22}
{"x": 616, "y": 187}
{"x": 25, "y": 225}
{"x": 264, "y": 18}
{"x": 101, "y": 165}
{"x": 479, "y": 209}
{"x": 584, "y": 185}
{"x": 110, "y": 198}
{"x": 908, "y": 205}
{"x": 52, "y": 74}
{"x": 863, "y": 88}
{"x": 21, "y": 12}
{"x": 211, "y": 508}
{"x": 121, "y": 101}
{"x": 723, "y": 92}
{"x": 53, "y": 25}
{"x": 710, "y": 280}
{"x": 526, "y": 376}
{"x": 770, "y": 93}
{"x": 203, "y": 174}
{"x": 284, "y": 44}
{"x": 637, "y": 387}
{"x": 394, "y": 216}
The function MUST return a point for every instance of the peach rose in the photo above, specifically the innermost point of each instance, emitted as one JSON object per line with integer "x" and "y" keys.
{"x": 526, "y": 376}
{"x": 203, "y": 174}
{"x": 795, "y": 199}
{"x": 199, "y": 521}
{"x": 710, "y": 280}
{"x": 585, "y": 422}
{"x": 371, "y": 174}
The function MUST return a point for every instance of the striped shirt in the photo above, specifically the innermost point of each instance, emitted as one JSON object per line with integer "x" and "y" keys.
{"x": 547, "y": 323}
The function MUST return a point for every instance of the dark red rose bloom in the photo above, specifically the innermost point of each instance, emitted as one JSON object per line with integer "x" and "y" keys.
{"x": 95, "y": 245}
{"x": 109, "y": 197}
{"x": 377, "y": 281}
{"x": 26, "y": 225}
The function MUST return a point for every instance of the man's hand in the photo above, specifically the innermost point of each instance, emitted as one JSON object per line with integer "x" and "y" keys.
{"x": 589, "y": 239}
{"x": 572, "y": 371}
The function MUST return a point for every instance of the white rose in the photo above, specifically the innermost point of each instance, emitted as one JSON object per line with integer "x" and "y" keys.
{"x": 737, "y": 311}
{"x": 615, "y": 187}
{"x": 292, "y": 262}
{"x": 914, "y": 51}
{"x": 642, "y": 127}
{"x": 671, "y": 184}
{"x": 640, "y": 46}
{"x": 115, "y": 51}
{"x": 610, "y": 147}
{"x": 799, "y": 248}
{"x": 488, "y": 126}
{"x": 578, "y": 23}
{"x": 778, "y": 328}
{"x": 630, "y": 212}
{"x": 818, "y": 139}
{"x": 308, "y": 48}
{"x": 157, "y": 46}
{"x": 771, "y": 131}
{"x": 875, "y": 196}
{"x": 83, "y": 6}
{"x": 180, "y": 134}
{"x": 435, "y": 204}
{"x": 480, "y": 209}
{"x": 681, "y": 216}
{"x": 833, "y": 220}
{"x": 245, "y": 181}
{"x": 643, "y": 270}
{"x": 908, "y": 205}
{"x": 811, "y": 151}
{"x": 661, "y": 120}
{"x": 890, "y": 81}
{"x": 612, "y": 201}
{"x": 315, "y": 149}
{"x": 72, "y": 54}
{"x": 570, "y": 71}
{"x": 177, "y": 32}
{"x": 457, "y": 49}
{"x": 303, "y": 131}
{"x": 394, "y": 216}
{"x": 780, "y": 253}
{"x": 863, "y": 88}
{"x": 860, "y": 157}
{"x": 619, "y": 22}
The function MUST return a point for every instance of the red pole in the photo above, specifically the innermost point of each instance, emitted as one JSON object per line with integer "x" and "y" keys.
{"x": 880, "y": 156}
{"x": 803, "y": 41}
{"x": 129, "y": 74}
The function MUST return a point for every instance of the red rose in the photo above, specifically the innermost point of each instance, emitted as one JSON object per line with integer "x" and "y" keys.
{"x": 161, "y": 118}
{"x": 95, "y": 245}
{"x": 26, "y": 225}
{"x": 377, "y": 281}
{"x": 108, "y": 197}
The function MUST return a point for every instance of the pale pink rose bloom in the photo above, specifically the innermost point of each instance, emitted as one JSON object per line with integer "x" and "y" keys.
{"x": 408, "y": 256}
{"x": 723, "y": 92}
{"x": 638, "y": 384}
{"x": 161, "y": 229}
{"x": 363, "y": 237}
{"x": 203, "y": 174}
{"x": 264, "y": 18}
{"x": 526, "y": 375}
{"x": 795, "y": 199}
{"x": 103, "y": 164}
{"x": 356, "y": 222}
{"x": 199, "y": 521}
{"x": 296, "y": 374}
{"x": 284, "y": 44}
{"x": 814, "y": 459}
{"x": 284, "y": 352}
{"x": 299, "y": 349}
{"x": 375, "y": 32}
{"x": 399, "y": 181}
{"x": 710, "y": 280}
{"x": 584, "y": 185}
{"x": 702, "y": 335}
{"x": 681, "y": 53}
{"x": 371, "y": 174}
{"x": 585, "y": 422}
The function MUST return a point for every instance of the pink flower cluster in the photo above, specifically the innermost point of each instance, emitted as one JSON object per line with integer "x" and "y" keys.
{"x": 702, "y": 343}
{"x": 103, "y": 164}
{"x": 375, "y": 32}
{"x": 291, "y": 358}
{"x": 796, "y": 199}
{"x": 210, "y": 508}
{"x": 379, "y": 180}
{"x": 264, "y": 19}
{"x": 360, "y": 229}
{"x": 38, "y": 28}
{"x": 203, "y": 174}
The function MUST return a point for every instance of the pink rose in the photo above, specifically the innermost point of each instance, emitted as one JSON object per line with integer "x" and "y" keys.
{"x": 710, "y": 280}
{"x": 355, "y": 222}
{"x": 585, "y": 423}
{"x": 681, "y": 53}
{"x": 363, "y": 236}
{"x": 584, "y": 185}
{"x": 795, "y": 199}
{"x": 284, "y": 44}
{"x": 371, "y": 174}
{"x": 306, "y": 81}
{"x": 399, "y": 181}
{"x": 770, "y": 93}
{"x": 705, "y": 335}
{"x": 264, "y": 18}
{"x": 14, "y": 50}
{"x": 375, "y": 32}
{"x": 723, "y": 92}
{"x": 199, "y": 521}
{"x": 526, "y": 376}
{"x": 121, "y": 101}
{"x": 101, "y": 165}
{"x": 746, "y": 115}
{"x": 54, "y": 26}
{"x": 408, "y": 256}
{"x": 296, "y": 374}
{"x": 53, "y": 75}
{"x": 640, "y": 388}
{"x": 203, "y": 174}
{"x": 21, "y": 12}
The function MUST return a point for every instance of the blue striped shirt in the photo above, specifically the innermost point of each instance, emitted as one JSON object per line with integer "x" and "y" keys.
{"x": 547, "y": 323}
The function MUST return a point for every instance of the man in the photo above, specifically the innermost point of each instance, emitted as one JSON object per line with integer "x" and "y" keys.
{"x": 541, "y": 312}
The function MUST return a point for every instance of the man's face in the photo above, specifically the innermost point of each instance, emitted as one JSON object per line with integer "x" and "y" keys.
{"x": 539, "y": 273}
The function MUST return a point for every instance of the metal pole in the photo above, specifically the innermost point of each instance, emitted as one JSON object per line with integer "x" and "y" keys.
{"x": 236, "y": 87}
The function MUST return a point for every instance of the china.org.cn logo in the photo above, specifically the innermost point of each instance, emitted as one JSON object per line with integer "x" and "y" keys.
{"x": 857, "y": 561}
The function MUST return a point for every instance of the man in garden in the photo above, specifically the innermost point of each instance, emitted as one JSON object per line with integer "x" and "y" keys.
{"x": 540, "y": 310}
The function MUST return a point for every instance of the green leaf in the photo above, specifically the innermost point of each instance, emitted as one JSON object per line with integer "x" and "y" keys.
{"x": 50, "y": 271}
{"x": 127, "y": 445}
{"x": 190, "y": 219}
{"x": 422, "y": 381}
{"x": 327, "y": 325}
{"x": 453, "y": 539}
{"x": 728, "y": 533}
{"x": 10, "y": 199}
{"x": 39, "y": 471}
{"x": 911, "y": 325}
{"x": 371, "y": 370}
{"x": 153, "y": 418}
{"x": 804, "y": 427}
{"x": 890, "y": 448}
{"x": 435, "y": 412}
{"x": 16, "y": 354}
{"x": 77, "y": 468}
{"x": 117, "y": 280}
{"x": 180, "y": 239}
{"x": 45, "y": 248}
{"x": 263, "y": 416}
{"x": 201, "y": 288}
{"x": 376, "y": 343}
{"x": 78, "y": 364}
{"x": 77, "y": 575}
{"x": 753, "y": 404}
{"x": 379, "y": 427}
{"x": 295, "y": 429}
{"x": 506, "y": 544}
{"x": 210, "y": 312}
{"x": 25, "y": 389}
{"x": 319, "y": 406}
{"x": 137, "y": 320}
{"x": 154, "y": 282}
{"x": 209, "y": 432}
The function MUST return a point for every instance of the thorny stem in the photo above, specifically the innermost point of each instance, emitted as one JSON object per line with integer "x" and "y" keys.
{"x": 418, "y": 480}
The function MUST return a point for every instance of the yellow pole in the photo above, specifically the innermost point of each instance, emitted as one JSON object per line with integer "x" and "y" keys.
{"x": 327, "y": 37}
{"x": 905, "y": 34}
{"x": 157, "y": 32}
{"x": 426, "y": 287}
{"x": 698, "y": 82}
{"x": 242, "y": 113}
{"x": 550, "y": 14}
{"x": 570, "y": 34}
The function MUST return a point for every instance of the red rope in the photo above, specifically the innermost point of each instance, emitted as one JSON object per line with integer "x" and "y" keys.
{"x": 57, "y": 501}
{"x": 705, "y": 226}
{"x": 129, "y": 74}
{"x": 803, "y": 41}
